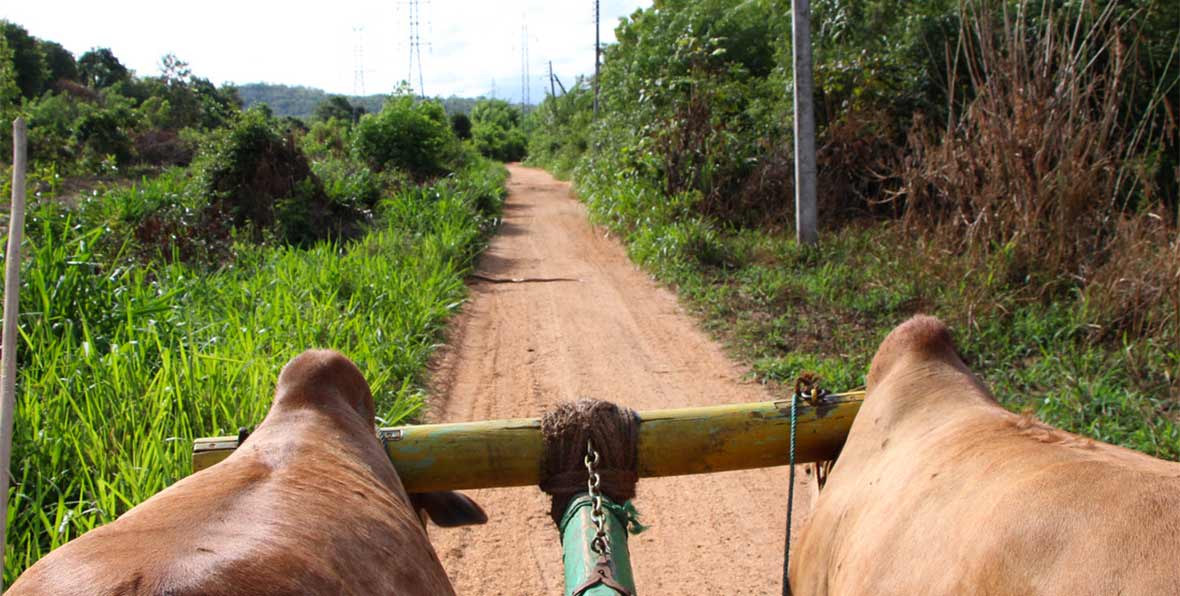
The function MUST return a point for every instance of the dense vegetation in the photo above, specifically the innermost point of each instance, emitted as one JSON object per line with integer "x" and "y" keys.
{"x": 1008, "y": 166}
{"x": 93, "y": 116}
{"x": 496, "y": 130}
{"x": 179, "y": 250}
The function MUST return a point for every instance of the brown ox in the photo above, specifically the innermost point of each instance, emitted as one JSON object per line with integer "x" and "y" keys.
{"x": 310, "y": 504}
{"x": 939, "y": 490}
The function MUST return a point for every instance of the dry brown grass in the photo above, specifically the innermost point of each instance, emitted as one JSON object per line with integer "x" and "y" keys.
{"x": 1137, "y": 289}
{"x": 1045, "y": 171}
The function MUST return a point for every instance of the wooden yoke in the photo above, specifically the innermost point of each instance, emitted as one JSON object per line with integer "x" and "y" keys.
{"x": 495, "y": 453}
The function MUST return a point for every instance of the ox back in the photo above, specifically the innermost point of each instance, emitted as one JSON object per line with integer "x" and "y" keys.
{"x": 309, "y": 505}
{"x": 939, "y": 490}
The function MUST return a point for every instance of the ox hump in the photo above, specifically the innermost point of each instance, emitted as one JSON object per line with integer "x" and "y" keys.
{"x": 324, "y": 378}
{"x": 921, "y": 338}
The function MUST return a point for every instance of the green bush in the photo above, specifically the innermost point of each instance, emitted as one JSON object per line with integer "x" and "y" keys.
{"x": 496, "y": 130}
{"x": 349, "y": 182}
{"x": 101, "y": 131}
{"x": 256, "y": 175}
{"x": 461, "y": 124}
{"x": 560, "y": 130}
{"x": 414, "y": 136}
{"x": 69, "y": 130}
{"x": 326, "y": 138}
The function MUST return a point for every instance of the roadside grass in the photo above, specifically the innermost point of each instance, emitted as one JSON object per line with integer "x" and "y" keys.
{"x": 123, "y": 362}
{"x": 785, "y": 308}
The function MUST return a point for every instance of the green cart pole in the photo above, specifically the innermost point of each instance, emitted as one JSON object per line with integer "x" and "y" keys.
{"x": 577, "y": 531}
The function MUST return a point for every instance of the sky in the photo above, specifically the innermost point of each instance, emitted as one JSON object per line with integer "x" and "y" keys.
{"x": 468, "y": 47}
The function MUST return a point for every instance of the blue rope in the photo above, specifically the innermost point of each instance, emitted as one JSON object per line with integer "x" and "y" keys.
{"x": 790, "y": 502}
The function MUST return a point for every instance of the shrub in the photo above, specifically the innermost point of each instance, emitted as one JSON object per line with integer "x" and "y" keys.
{"x": 101, "y": 131}
{"x": 560, "y": 129}
{"x": 259, "y": 178}
{"x": 51, "y": 128}
{"x": 496, "y": 130}
{"x": 413, "y": 136}
{"x": 326, "y": 138}
{"x": 349, "y": 182}
{"x": 461, "y": 124}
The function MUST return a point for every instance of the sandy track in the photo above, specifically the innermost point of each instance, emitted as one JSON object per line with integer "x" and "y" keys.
{"x": 613, "y": 335}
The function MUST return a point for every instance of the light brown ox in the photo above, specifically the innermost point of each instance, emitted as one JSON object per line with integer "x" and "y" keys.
{"x": 939, "y": 490}
{"x": 310, "y": 504}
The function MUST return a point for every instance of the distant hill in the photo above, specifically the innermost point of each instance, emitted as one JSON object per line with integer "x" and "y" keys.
{"x": 300, "y": 102}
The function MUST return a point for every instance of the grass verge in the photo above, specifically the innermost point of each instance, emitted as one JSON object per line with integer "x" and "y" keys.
{"x": 785, "y": 308}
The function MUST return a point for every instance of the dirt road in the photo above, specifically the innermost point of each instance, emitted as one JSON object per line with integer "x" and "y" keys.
{"x": 614, "y": 335}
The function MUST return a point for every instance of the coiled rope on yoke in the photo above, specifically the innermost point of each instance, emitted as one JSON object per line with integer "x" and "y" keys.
{"x": 614, "y": 432}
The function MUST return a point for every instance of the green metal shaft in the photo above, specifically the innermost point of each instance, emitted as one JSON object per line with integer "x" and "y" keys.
{"x": 577, "y": 530}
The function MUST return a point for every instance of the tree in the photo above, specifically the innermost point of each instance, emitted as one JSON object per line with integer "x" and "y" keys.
{"x": 9, "y": 92}
{"x": 59, "y": 61}
{"x": 174, "y": 70}
{"x": 338, "y": 107}
{"x": 414, "y": 136}
{"x": 100, "y": 69}
{"x": 27, "y": 59}
{"x": 461, "y": 124}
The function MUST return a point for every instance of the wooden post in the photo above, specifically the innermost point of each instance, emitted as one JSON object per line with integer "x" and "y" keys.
{"x": 495, "y": 453}
{"x": 16, "y": 225}
{"x": 805, "y": 212}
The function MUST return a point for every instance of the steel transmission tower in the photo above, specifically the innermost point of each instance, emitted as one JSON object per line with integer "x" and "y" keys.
{"x": 524, "y": 69}
{"x": 358, "y": 57}
{"x": 415, "y": 10}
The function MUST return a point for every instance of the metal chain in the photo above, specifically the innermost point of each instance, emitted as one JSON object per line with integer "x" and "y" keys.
{"x": 600, "y": 544}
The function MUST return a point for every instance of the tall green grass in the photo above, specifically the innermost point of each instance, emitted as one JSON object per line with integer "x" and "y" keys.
{"x": 123, "y": 363}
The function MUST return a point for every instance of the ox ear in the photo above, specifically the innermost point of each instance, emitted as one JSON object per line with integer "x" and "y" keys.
{"x": 448, "y": 509}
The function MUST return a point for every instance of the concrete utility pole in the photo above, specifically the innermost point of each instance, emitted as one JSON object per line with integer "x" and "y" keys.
{"x": 597, "y": 46}
{"x": 805, "y": 170}
{"x": 552, "y": 89}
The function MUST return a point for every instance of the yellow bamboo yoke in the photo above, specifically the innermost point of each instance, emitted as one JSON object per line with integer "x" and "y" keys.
{"x": 494, "y": 453}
